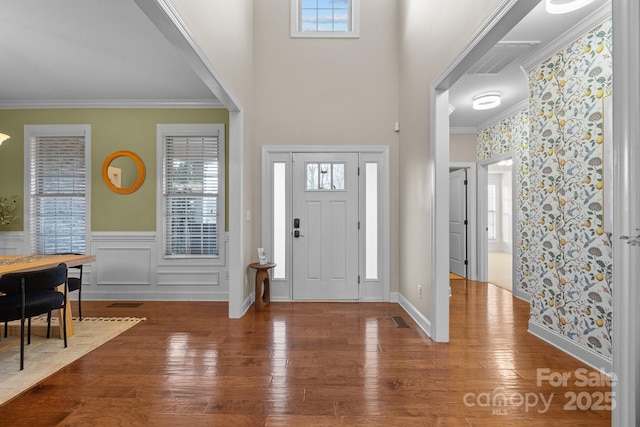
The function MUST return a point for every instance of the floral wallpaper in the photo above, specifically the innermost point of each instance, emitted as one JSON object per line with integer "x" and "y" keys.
{"x": 512, "y": 135}
{"x": 564, "y": 254}
{"x": 570, "y": 255}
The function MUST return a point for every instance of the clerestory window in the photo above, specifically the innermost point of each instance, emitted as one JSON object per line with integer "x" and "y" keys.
{"x": 325, "y": 18}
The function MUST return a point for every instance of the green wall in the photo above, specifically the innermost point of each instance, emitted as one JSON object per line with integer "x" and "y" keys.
{"x": 111, "y": 130}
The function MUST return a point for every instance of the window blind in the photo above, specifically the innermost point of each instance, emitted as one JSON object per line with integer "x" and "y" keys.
{"x": 191, "y": 195}
{"x": 58, "y": 194}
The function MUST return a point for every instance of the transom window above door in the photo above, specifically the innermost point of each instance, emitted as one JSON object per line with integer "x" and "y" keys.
{"x": 325, "y": 18}
{"x": 325, "y": 176}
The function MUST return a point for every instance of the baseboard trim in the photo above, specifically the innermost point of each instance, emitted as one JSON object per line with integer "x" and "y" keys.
{"x": 155, "y": 296}
{"x": 415, "y": 314}
{"x": 393, "y": 297}
{"x": 247, "y": 303}
{"x": 589, "y": 357}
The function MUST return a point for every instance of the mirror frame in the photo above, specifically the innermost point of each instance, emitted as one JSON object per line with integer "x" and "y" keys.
{"x": 139, "y": 165}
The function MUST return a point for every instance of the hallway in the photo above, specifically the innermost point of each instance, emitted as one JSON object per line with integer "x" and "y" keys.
{"x": 313, "y": 364}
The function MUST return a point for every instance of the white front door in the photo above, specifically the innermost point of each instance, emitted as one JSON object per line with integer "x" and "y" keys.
{"x": 458, "y": 222}
{"x": 325, "y": 226}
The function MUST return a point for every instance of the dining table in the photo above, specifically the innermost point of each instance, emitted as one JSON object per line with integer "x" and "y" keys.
{"x": 18, "y": 263}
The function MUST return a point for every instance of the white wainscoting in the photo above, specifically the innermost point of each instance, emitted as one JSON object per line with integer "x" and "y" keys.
{"x": 11, "y": 243}
{"x": 128, "y": 267}
{"x": 120, "y": 264}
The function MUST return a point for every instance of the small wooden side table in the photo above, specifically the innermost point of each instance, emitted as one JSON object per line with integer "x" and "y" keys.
{"x": 262, "y": 276}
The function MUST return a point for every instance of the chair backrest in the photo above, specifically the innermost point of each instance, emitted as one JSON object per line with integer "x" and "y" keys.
{"x": 10, "y": 283}
{"x": 75, "y": 267}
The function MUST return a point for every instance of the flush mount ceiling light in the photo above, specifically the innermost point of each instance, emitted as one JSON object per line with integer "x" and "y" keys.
{"x": 486, "y": 101}
{"x": 565, "y": 6}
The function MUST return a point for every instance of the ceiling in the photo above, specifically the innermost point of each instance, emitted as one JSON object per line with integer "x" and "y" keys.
{"x": 80, "y": 53}
{"x": 501, "y": 70}
{"x": 92, "y": 53}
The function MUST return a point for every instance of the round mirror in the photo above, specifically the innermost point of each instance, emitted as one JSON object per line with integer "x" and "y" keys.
{"x": 123, "y": 172}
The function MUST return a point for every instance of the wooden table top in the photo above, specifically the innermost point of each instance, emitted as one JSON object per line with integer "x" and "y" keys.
{"x": 259, "y": 266}
{"x": 15, "y": 263}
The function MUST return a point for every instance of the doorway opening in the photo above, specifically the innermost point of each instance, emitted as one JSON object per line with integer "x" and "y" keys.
{"x": 463, "y": 252}
{"x": 458, "y": 223}
{"x": 325, "y": 222}
{"x": 498, "y": 25}
{"x": 497, "y": 192}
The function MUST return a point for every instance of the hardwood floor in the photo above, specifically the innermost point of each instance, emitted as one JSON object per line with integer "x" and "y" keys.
{"x": 314, "y": 364}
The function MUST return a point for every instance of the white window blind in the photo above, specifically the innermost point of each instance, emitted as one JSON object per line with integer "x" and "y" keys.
{"x": 492, "y": 228}
{"x": 191, "y": 191}
{"x": 58, "y": 194}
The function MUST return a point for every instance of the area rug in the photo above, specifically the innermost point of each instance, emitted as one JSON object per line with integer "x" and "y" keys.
{"x": 43, "y": 357}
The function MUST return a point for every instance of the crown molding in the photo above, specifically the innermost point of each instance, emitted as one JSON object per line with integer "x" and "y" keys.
{"x": 597, "y": 17}
{"x": 463, "y": 129}
{"x": 111, "y": 103}
{"x": 504, "y": 115}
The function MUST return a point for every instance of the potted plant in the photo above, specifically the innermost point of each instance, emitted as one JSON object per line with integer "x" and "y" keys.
{"x": 7, "y": 207}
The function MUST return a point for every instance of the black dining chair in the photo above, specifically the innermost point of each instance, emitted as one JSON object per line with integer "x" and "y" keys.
{"x": 75, "y": 282}
{"x": 32, "y": 293}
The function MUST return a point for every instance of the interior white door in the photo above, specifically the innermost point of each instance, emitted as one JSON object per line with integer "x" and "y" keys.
{"x": 325, "y": 226}
{"x": 458, "y": 222}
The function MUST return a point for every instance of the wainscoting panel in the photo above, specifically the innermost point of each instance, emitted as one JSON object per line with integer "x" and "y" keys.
{"x": 11, "y": 243}
{"x": 189, "y": 277}
{"x": 122, "y": 265}
{"x": 128, "y": 267}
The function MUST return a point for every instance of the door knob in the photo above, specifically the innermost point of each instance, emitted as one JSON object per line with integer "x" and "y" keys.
{"x": 297, "y": 234}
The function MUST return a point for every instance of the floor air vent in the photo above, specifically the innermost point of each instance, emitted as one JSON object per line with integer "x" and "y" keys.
{"x": 399, "y": 321}
{"x": 126, "y": 304}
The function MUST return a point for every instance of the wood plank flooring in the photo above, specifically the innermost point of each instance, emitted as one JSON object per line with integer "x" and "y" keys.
{"x": 314, "y": 364}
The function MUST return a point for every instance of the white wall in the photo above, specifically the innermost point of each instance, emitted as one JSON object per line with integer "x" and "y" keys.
{"x": 463, "y": 147}
{"x": 223, "y": 29}
{"x": 301, "y": 91}
{"x": 342, "y": 91}
{"x": 327, "y": 91}
{"x": 431, "y": 35}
